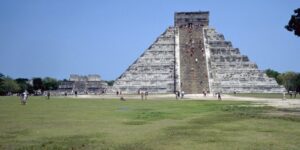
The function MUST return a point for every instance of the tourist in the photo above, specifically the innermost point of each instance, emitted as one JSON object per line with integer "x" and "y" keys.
{"x": 291, "y": 94}
{"x": 146, "y": 94}
{"x": 24, "y": 97}
{"x": 204, "y": 93}
{"x": 219, "y": 96}
{"x": 142, "y": 95}
{"x": 182, "y": 94}
{"x": 122, "y": 98}
{"x": 76, "y": 93}
{"x": 283, "y": 96}
{"x": 48, "y": 95}
{"x": 176, "y": 95}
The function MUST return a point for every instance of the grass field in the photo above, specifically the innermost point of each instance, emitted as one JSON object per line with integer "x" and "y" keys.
{"x": 66, "y": 123}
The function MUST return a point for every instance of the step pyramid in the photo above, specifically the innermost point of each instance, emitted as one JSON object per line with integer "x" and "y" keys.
{"x": 195, "y": 58}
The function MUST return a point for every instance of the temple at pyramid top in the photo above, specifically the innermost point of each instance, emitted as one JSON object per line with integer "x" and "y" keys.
{"x": 200, "y": 18}
{"x": 194, "y": 58}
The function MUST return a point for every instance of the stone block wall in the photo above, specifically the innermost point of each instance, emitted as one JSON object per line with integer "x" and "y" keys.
{"x": 229, "y": 71}
{"x": 154, "y": 70}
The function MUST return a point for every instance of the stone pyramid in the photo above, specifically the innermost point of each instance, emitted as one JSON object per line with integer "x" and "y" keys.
{"x": 193, "y": 57}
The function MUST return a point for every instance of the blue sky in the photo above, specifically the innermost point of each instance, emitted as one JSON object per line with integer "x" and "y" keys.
{"x": 56, "y": 38}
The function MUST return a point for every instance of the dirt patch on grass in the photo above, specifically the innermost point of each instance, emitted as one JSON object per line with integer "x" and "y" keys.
{"x": 292, "y": 114}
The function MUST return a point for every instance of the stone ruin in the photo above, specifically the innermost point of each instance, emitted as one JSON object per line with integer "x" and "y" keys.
{"x": 90, "y": 84}
{"x": 193, "y": 57}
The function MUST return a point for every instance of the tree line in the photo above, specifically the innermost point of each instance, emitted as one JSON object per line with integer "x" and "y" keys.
{"x": 9, "y": 85}
{"x": 290, "y": 80}
{"x": 35, "y": 85}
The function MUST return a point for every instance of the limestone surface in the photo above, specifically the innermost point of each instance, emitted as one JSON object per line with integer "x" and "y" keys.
{"x": 154, "y": 70}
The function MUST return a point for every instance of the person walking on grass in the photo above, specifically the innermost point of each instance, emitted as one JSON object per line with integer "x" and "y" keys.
{"x": 291, "y": 94}
{"x": 219, "y": 96}
{"x": 142, "y": 95}
{"x": 283, "y": 96}
{"x": 177, "y": 93}
{"x": 24, "y": 97}
{"x": 48, "y": 95}
{"x": 146, "y": 94}
{"x": 204, "y": 93}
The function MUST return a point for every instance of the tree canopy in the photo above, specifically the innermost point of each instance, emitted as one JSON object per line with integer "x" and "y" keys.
{"x": 8, "y": 85}
{"x": 273, "y": 74}
{"x": 294, "y": 23}
{"x": 50, "y": 83}
{"x": 37, "y": 84}
{"x": 290, "y": 80}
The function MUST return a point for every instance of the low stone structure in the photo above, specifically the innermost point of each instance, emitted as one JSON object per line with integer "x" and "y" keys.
{"x": 193, "y": 57}
{"x": 90, "y": 84}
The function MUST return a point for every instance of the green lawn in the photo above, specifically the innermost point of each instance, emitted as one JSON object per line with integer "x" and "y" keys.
{"x": 62, "y": 123}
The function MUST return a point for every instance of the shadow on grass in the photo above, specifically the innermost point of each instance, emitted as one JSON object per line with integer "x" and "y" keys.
{"x": 265, "y": 112}
{"x": 78, "y": 142}
{"x": 144, "y": 116}
{"x": 15, "y": 133}
{"x": 204, "y": 129}
{"x": 63, "y": 143}
{"x": 135, "y": 122}
{"x": 199, "y": 129}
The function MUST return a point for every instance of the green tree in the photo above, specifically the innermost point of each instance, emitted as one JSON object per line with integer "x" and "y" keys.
{"x": 8, "y": 85}
{"x": 297, "y": 82}
{"x": 1, "y": 77}
{"x": 37, "y": 84}
{"x": 2, "y": 90}
{"x": 23, "y": 84}
{"x": 273, "y": 74}
{"x": 30, "y": 88}
{"x": 50, "y": 83}
{"x": 289, "y": 80}
{"x": 110, "y": 82}
{"x": 294, "y": 23}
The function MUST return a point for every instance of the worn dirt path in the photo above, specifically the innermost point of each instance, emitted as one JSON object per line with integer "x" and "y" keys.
{"x": 279, "y": 103}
